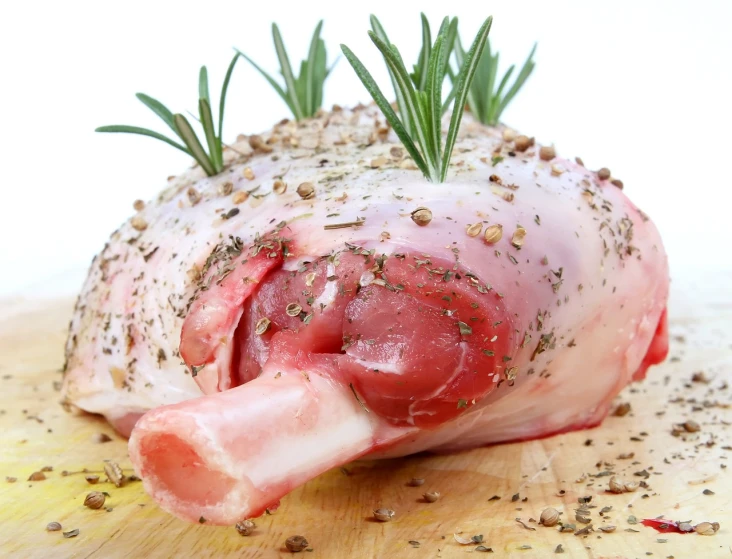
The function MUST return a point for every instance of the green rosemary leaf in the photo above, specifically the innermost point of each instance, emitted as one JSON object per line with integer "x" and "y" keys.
{"x": 158, "y": 108}
{"x": 464, "y": 78}
{"x": 378, "y": 29}
{"x": 311, "y": 88}
{"x": 487, "y": 102}
{"x": 286, "y": 71}
{"x": 524, "y": 74}
{"x": 434, "y": 90}
{"x": 496, "y": 99}
{"x": 373, "y": 89}
{"x": 418, "y": 118}
{"x": 204, "y": 112}
{"x": 195, "y": 148}
{"x": 203, "y": 84}
{"x": 303, "y": 93}
{"x": 321, "y": 72}
{"x": 421, "y": 68}
{"x": 451, "y": 36}
{"x": 115, "y": 128}
{"x": 222, "y": 99}
{"x": 281, "y": 92}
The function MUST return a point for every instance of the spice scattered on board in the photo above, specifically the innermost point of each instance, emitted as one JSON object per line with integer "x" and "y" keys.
{"x": 296, "y": 544}
{"x": 384, "y": 515}
{"x": 245, "y": 527}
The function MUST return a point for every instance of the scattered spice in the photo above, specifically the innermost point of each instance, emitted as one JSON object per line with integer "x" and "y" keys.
{"x": 707, "y": 528}
{"x": 691, "y": 426}
{"x": 384, "y": 515}
{"x": 194, "y": 197}
{"x": 549, "y": 517}
{"x": 708, "y": 492}
{"x": 53, "y": 526}
{"x": 517, "y": 239}
{"x": 622, "y": 409}
{"x": 493, "y": 234}
{"x": 37, "y": 476}
{"x": 138, "y": 205}
{"x": 279, "y": 186}
{"x": 379, "y": 162}
{"x": 422, "y": 216}
{"x": 262, "y": 326}
{"x": 256, "y": 143}
{"x": 248, "y": 173}
{"x": 525, "y": 525}
{"x": 114, "y": 473}
{"x": 91, "y": 478}
{"x": 474, "y": 229}
{"x": 240, "y": 196}
{"x": 618, "y": 183}
{"x": 11, "y": 479}
{"x": 607, "y": 529}
{"x": 71, "y": 533}
{"x": 293, "y": 309}
{"x": 296, "y": 544}
{"x": 245, "y": 527}
{"x": 559, "y": 549}
{"x": 522, "y": 143}
{"x": 547, "y": 153}
{"x": 94, "y": 500}
{"x": 416, "y": 482}
{"x": 468, "y": 541}
{"x": 100, "y": 438}
{"x": 431, "y": 496}
{"x": 226, "y": 188}
{"x": 138, "y": 223}
{"x": 603, "y": 174}
{"x": 306, "y": 190}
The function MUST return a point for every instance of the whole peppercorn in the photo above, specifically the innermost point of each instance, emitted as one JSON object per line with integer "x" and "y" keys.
{"x": 95, "y": 500}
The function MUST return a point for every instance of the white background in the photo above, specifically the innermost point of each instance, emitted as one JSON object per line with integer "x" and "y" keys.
{"x": 641, "y": 87}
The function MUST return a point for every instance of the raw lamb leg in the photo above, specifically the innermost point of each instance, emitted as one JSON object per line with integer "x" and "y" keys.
{"x": 315, "y": 341}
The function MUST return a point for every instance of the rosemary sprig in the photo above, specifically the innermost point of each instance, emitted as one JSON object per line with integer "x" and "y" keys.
{"x": 302, "y": 94}
{"x": 420, "y": 73}
{"x": 420, "y": 128}
{"x": 486, "y": 98}
{"x": 213, "y": 161}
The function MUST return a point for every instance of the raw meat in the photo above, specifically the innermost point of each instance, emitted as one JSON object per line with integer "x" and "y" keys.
{"x": 315, "y": 341}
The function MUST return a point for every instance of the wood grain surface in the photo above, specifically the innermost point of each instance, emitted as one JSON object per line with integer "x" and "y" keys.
{"x": 334, "y": 511}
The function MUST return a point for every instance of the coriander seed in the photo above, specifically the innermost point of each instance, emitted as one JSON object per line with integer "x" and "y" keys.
{"x": 262, "y": 326}
{"x": 431, "y": 496}
{"x": 245, "y": 527}
{"x": 422, "y": 216}
{"x": 384, "y": 515}
{"x": 549, "y": 517}
{"x": 306, "y": 190}
{"x": 94, "y": 500}
{"x": 493, "y": 234}
{"x": 296, "y": 544}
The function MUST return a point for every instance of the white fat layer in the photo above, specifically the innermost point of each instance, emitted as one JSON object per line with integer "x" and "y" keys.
{"x": 329, "y": 291}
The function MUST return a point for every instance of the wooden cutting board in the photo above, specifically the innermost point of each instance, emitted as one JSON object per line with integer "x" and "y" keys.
{"x": 334, "y": 511}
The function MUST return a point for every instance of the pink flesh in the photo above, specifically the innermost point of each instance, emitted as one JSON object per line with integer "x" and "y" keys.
{"x": 574, "y": 314}
{"x": 355, "y": 362}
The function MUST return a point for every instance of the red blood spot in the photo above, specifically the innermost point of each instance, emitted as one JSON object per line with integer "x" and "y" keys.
{"x": 658, "y": 350}
{"x": 663, "y": 526}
